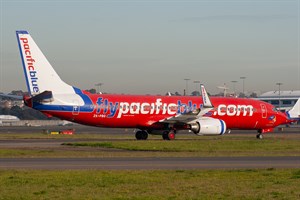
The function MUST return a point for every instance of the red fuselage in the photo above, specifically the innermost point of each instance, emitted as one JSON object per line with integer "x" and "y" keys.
{"x": 146, "y": 112}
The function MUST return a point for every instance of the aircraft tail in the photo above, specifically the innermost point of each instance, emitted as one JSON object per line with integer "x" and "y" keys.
{"x": 39, "y": 74}
{"x": 294, "y": 113}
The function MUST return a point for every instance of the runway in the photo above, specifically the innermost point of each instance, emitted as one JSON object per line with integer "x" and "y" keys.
{"x": 131, "y": 161}
{"x": 79, "y": 129}
{"x": 150, "y": 163}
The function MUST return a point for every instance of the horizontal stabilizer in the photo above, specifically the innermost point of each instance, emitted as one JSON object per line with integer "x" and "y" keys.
{"x": 45, "y": 96}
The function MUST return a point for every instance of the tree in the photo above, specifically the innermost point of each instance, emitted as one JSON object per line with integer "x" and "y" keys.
{"x": 195, "y": 93}
{"x": 242, "y": 95}
{"x": 92, "y": 91}
{"x": 177, "y": 94}
{"x": 16, "y": 111}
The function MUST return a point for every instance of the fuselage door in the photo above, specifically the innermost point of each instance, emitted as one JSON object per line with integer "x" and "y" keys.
{"x": 76, "y": 107}
{"x": 263, "y": 110}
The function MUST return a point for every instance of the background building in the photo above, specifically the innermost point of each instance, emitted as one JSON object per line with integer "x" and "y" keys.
{"x": 283, "y": 100}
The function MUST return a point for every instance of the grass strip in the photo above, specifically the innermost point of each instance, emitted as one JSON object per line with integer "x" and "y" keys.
{"x": 156, "y": 184}
{"x": 215, "y": 147}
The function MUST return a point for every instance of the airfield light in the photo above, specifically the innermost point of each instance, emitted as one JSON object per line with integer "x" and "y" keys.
{"x": 99, "y": 87}
{"x": 196, "y": 85}
{"x": 279, "y": 103}
{"x": 186, "y": 86}
{"x": 243, "y": 78}
{"x": 234, "y": 82}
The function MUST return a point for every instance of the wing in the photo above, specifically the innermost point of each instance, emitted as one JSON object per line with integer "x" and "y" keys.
{"x": 192, "y": 115}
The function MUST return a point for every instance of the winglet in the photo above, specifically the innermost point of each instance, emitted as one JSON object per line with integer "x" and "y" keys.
{"x": 206, "y": 100}
{"x": 294, "y": 113}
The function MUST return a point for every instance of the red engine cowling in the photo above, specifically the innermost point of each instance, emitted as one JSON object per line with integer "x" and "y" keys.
{"x": 208, "y": 126}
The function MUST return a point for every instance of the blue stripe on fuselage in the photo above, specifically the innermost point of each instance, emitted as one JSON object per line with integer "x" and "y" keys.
{"x": 87, "y": 107}
{"x": 86, "y": 99}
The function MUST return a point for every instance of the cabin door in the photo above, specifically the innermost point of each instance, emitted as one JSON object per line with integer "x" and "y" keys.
{"x": 263, "y": 111}
{"x": 76, "y": 107}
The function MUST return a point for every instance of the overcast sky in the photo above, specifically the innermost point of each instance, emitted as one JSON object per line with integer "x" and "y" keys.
{"x": 149, "y": 47}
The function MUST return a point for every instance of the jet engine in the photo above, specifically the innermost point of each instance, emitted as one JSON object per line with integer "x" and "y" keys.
{"x": 208, "y": 126}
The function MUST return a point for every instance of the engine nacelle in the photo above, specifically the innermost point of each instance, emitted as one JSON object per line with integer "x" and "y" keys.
{"x": 208, "y": 127}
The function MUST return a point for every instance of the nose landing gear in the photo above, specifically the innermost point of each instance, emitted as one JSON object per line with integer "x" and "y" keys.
{"x": 259, "y": 136}
{"x": 261, "y": 131}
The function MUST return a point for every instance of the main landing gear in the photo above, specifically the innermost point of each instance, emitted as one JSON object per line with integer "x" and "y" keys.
{"x": 169, "y": 135}
{"x": 166, "y": 135}
{"x": 141, "y": 135}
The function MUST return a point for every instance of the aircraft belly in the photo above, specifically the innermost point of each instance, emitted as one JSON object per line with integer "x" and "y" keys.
{"x": 239, "y": 122}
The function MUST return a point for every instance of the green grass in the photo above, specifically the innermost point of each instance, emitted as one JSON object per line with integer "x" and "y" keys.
{"x": 184, "y": 146}
{"x": 222, "y": 146}
{"x": 158, "y": 184}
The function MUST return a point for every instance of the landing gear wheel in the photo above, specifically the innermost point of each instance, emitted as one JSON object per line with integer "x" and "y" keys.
{"x": 259, "y": 136}
{"x": 171, "y": 136}
{"x": 145, "y": 135}
{"x": 168, "y": 135}
{"x": 141, "y": 135}
{"x": 165, "y": 135}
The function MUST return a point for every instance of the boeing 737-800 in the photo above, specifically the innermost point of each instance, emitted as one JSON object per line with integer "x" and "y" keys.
{"x": 164, "y": 115}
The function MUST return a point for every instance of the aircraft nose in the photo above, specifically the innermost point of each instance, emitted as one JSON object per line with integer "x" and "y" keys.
{"x": 283, "y": 118}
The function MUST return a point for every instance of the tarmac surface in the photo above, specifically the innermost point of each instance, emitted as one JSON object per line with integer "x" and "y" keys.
{"x": 128, "y": 163}
{"x": 89, "y": 129}
{"x": 150, "y": 163}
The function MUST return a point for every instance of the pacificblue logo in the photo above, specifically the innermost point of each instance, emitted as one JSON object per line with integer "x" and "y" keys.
{"x": 30, "y": 64}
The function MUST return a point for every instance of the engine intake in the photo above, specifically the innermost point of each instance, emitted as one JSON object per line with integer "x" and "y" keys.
{"x": 208, "y": 127}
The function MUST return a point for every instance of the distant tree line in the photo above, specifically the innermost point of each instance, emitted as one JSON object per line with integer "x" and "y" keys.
{"x": 24, "y": 113}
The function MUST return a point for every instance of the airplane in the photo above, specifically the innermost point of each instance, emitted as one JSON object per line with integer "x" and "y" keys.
{"x": 161, "y": 115}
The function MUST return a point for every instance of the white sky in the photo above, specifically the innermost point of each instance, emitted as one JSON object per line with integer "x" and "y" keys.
{"x": 149, "y": 47}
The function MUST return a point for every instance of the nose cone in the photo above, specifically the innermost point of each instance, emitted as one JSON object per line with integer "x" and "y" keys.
{"x": 282, "y": 118}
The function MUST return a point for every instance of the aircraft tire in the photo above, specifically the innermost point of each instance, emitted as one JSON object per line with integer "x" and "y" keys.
{"x": 165, "y": 135}
{"x": 259, "y": 136}
{"x": 141, "y": 135}
{"x": 144, "y": 135}
{"x": 168, "y": 135}
{"x": 171, "y": 135}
